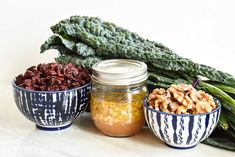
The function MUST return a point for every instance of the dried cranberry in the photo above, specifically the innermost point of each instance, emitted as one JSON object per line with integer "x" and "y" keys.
{"x": 53, "y": 76}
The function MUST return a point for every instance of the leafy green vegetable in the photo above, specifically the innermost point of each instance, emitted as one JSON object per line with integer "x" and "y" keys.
{"x": 232, "y": 125}
{"x": 231, "y": 132}
{"x": 95, "y": 32}
{"x": 86, "y": 40}
{"x": 222, "y": 139}
{"x": 85, "y": 62}
{"x": 224, "y": 87}
{"x": 223, "y": 120}
{"x": 110, "y": 40}
{"x": 225, "y": 143}
{"x": 231, "y": 117}
{"x": 163, "y": 72}
{"x": 152, "y": 85}
{"x": 229, "y": 103}
{"x": 71, "y": 47}
{"x": 158, "y": 78}
{"x": 54, "y": 42}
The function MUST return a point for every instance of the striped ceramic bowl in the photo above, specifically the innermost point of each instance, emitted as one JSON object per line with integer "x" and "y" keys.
{"x": 181, "y": 131}
{"x": 52, "y": 110}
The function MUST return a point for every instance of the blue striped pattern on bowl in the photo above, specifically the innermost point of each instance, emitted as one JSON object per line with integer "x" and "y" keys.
{"x": 181, "y": 131}
{"x": 52, "y": 110}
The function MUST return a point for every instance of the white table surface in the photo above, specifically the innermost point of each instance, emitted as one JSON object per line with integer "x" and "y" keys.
{"x": 200, "y": 30}
{"x": 19, "y": 137}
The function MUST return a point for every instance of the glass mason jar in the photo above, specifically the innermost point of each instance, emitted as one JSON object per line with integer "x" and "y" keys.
{"x": 118, "y": 90}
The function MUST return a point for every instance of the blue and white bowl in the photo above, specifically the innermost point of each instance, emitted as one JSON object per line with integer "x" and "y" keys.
{"x": 52, "y": 110}
{"x": 181, "y": 130}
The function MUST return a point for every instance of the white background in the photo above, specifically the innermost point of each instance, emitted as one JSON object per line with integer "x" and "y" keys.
{"x": 202, "y": 30}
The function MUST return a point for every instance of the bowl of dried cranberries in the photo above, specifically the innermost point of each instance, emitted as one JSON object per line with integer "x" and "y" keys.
{"x": 52, "y": 95}
{"x": 181, "y": 116}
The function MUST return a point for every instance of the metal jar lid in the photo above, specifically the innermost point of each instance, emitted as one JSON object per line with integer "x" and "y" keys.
{"x": 119, "y": 72}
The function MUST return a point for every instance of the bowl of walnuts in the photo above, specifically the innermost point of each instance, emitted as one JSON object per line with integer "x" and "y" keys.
{"x": 52, "y": 95}
{"x": 181, "y": 116}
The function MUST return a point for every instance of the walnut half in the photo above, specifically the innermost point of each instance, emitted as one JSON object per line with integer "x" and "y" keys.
{"x": 181, "y": 99}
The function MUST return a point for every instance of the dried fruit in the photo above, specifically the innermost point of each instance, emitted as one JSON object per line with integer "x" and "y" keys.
{"x": 53, "y": 76}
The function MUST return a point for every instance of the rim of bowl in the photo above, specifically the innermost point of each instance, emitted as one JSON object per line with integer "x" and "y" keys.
{"x": 53, "y": 91}
{"x": 173, "y": 114}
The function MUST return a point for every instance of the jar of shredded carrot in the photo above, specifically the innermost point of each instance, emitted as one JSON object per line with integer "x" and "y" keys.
{"x": 119, "y": 87}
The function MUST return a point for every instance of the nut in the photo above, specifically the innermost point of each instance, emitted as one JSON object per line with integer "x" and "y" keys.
{"x": 181, "y": 99}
